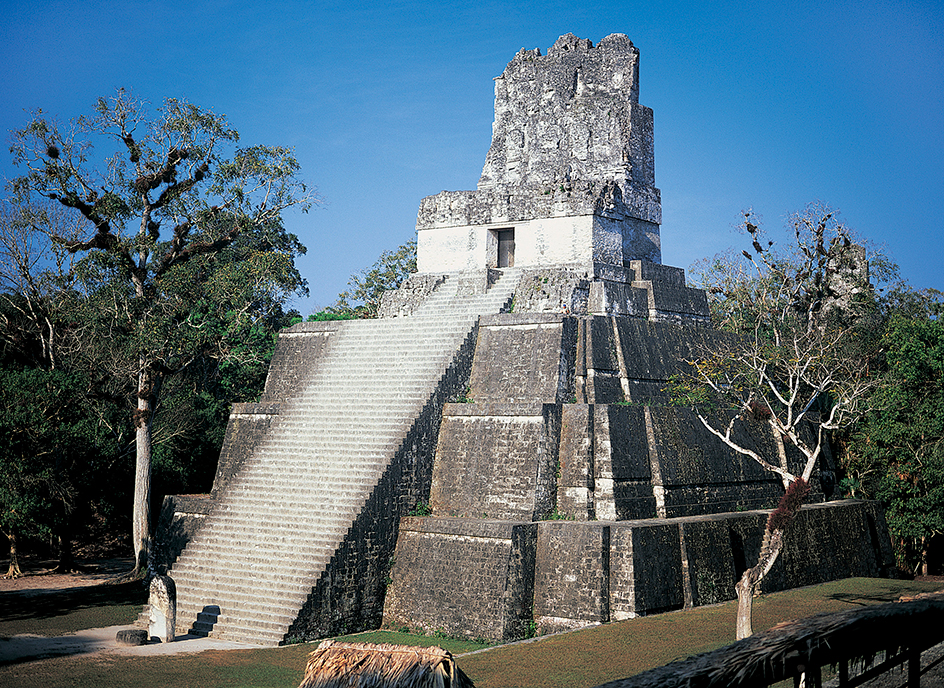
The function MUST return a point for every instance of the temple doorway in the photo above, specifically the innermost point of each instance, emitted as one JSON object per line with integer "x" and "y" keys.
{"x": 506, "y": 248}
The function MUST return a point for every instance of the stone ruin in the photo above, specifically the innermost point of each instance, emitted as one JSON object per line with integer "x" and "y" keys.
{"x": 496, "y": 455}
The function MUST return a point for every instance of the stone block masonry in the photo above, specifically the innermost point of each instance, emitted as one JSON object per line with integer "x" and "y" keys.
{"x": 463, "y": 577}
{"x": 312, "y": 485}
{"x": 471, "y": 577}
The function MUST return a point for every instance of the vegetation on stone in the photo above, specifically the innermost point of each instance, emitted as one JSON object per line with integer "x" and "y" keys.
{"x": 362, "y": 297}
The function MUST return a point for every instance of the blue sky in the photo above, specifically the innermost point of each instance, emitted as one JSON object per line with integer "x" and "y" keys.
{"x": 386, "y": 103}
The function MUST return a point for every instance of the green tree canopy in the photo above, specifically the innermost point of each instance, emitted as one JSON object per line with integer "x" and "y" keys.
{"x": 896, "y": 453}
{"x": 53, "y": 448}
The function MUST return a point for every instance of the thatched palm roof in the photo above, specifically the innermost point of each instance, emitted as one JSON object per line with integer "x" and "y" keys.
{"x": 781, "y": 652}
{"x": 365, "y": 665}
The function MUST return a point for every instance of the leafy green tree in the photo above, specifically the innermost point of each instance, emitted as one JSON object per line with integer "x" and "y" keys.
{"x": 798, "y": 360}
{"x": 362, "y": 297}
{"x": 51, "y": 448}
{"x": 896, "y": 453}
{"x": 177, "y": 249}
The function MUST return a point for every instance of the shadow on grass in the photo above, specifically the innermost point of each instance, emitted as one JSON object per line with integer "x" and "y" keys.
{"x": 880, "y": 591}
{"x": 18, "y": 605}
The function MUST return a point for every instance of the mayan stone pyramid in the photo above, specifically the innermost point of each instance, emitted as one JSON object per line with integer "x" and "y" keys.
{"x": 495, "y": 454}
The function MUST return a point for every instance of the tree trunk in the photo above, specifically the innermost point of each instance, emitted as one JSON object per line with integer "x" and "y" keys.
{"x": 14, "y": 571}
{"x": 66, "y": 560}
{"x": 749, "y": 584}
{"x": 141, "y": 516}
{"x": 148, "y": 384}
{"x": 777, "y": 524}
{"x": 745, "y": 595}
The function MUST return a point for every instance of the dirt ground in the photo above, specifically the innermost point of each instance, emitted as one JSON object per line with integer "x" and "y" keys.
{"x": 38, "y": 574}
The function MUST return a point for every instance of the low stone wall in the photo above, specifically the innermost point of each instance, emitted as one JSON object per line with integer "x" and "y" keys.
{"x": 464, "y": 576}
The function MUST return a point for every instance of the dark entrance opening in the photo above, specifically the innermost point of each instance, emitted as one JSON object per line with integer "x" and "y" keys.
{"x": 506, "y": 248}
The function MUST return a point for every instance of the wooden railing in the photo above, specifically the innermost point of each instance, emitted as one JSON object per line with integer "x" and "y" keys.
{"x": 896, "y": 633}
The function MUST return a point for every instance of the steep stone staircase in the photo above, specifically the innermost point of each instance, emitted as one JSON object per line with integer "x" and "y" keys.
{"x": 249, "y": 570}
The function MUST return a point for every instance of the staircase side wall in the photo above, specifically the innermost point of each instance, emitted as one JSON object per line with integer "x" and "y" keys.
{"x": 350, "y": 594}
{"x": 247, "y": 426}
{"x": 297, "y": 353}
{"x": 180, "y": 519}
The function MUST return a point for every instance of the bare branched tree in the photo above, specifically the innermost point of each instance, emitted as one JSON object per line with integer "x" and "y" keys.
{"x": 801, "y": 359}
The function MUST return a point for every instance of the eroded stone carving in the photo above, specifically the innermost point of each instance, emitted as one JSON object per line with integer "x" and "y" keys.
{"x": 163, "y": 608}
{"x": 572, "y": 115}
{"x": 570, "y": 168}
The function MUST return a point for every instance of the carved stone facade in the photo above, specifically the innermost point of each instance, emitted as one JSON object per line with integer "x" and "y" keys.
{"x": 569, "y": 177}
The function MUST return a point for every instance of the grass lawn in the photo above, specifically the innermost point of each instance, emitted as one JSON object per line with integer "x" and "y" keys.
{"x": 582, "y": 658}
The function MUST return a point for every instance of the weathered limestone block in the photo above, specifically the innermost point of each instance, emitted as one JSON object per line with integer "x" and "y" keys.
{"x": 573, "y": 114}
{"x": 826, "y": 542}
{"x": 561, "y": 290}
{"x": 465, "y": 577}
{"x": 409, "y": 296}
{"x": 500, "y": 465}
{"x": 624, "y": 479}
{"x": 831, "y": 543}
{"x": 571, "y": 575}
{"x": 645, "y": 569}
{"x": 132, "y": 637}
{"x": 700, "y": 474}
{"x": 162, "y": 602}
{"x": 524, "y": 358}
{"x": 576, "y": 483}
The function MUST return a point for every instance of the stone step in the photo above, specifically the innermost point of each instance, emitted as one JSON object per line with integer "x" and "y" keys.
{"x": 309, "y": 549}
{"x": 245, "y": 614}
{"x": 248, "y": 597}
{"x": 262, "y": 535}
{"x": 249, "y": 636}
{"x": 248, "y": 565}
{"x": 341, "y": 495}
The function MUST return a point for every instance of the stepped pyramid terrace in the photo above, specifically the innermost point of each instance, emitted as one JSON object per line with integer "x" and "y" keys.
{"x": 496, "y": 453}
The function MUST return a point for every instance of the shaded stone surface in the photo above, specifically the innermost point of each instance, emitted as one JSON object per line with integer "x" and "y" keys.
{"x": 131, "y": 636}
